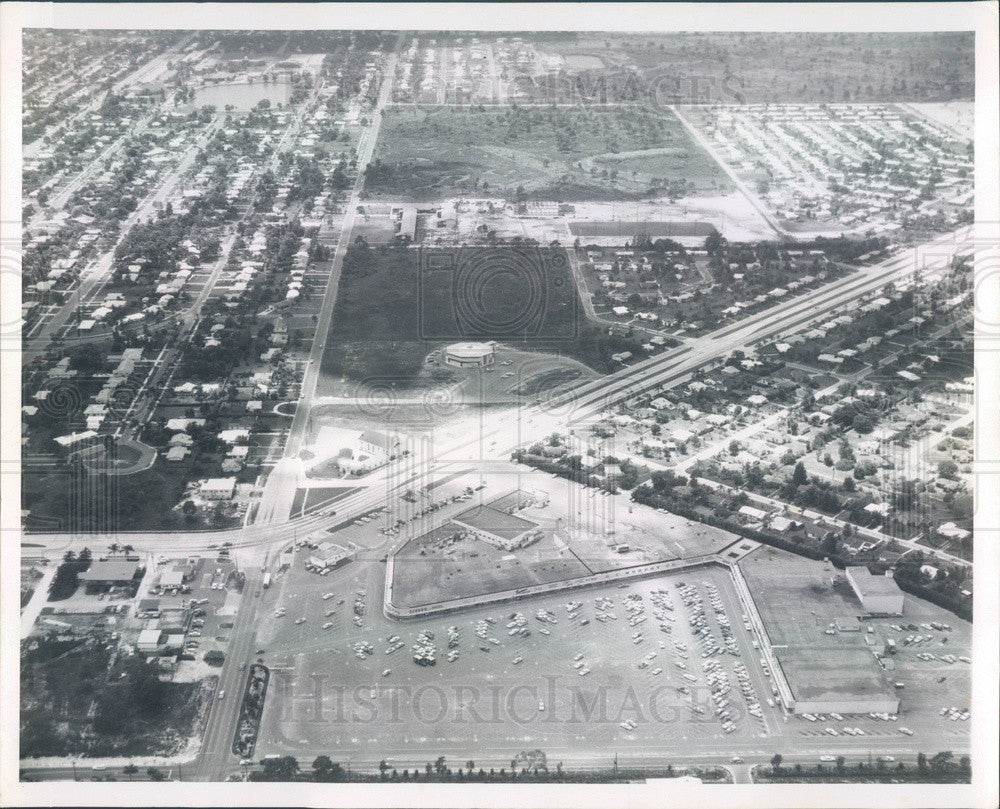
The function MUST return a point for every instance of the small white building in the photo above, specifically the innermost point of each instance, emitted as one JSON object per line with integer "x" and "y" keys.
{"x": 218, "y": 488}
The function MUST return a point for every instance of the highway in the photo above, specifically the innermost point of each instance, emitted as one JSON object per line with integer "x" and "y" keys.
{"x": 779, "y": 320}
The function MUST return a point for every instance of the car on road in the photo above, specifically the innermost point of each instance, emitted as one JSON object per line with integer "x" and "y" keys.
{"x": 736, "y": 760}
{"x": 222, "y": 694}
{"x": 300, "y": 620}
{"x": 517, "y": 660}
{"x": 827, "y": 758}
{"x": 328, "y": 625}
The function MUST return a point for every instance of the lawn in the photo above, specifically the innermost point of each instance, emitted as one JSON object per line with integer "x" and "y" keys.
{"x": 548, "y": 153}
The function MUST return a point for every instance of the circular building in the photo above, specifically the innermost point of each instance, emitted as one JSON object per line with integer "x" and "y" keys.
{"x": 469, "y": 355}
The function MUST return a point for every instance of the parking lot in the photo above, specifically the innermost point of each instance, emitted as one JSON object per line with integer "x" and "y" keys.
{"x": 628, "y": 658}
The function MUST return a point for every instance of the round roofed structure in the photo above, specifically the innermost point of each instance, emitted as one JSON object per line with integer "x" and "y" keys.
{"x": 470, "y": 355}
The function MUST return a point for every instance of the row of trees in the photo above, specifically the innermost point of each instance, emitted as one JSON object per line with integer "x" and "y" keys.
{"x": 938, "y": 768}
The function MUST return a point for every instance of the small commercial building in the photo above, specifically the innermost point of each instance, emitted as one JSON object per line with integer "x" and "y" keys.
{"x": 111, "y": 573}
{"x": 329, "y": 555}
{"x": 470, "y": 355}
{"x": 498, "y": 528}
{"x": 879, "y": 595}
{"x": 149, "y": 641}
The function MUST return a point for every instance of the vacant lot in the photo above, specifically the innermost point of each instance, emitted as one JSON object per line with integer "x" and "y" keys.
{"x": 561, "y": 153}
{"x": 73, "y": 703}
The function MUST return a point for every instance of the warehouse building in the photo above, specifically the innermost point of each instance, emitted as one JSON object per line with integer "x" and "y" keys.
{"x": 879, "y": 595}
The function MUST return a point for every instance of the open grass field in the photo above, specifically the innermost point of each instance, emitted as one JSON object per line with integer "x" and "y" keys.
{"x": 396, "y": 305}
{"x": 559, "y": 153}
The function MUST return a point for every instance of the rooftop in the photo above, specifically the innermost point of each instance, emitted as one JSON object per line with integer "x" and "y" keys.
{"x": 868, "y": 585}
{"x": 110, "y": 570}
{"x": 498, "y": 523}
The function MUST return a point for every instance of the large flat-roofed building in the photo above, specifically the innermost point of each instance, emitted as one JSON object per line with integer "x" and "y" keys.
{"x": 846, "y": 681}
{"x": 498, "y": 528}
{"x": 327, "y": 555}
{"x": 879, "y": 595}
{"x": 470, "y": 355}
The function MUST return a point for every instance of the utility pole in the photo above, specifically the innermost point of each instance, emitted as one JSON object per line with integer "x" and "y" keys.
{"x": 74, "y": 771}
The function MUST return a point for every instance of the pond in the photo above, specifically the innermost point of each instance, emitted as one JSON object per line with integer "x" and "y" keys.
{"x": 243, "y": 97}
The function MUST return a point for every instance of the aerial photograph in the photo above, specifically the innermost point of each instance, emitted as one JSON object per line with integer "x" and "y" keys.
{"x": 496, "y": 406}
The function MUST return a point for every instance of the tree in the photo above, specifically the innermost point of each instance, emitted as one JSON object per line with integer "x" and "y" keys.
{"x": 776, "y": 760}
{"x": 799, "y": 476}
{"x": 941, "y": 762}
{"x": 277, "y": 769}
{"x": 155, "y": 774}
{"x": 130, "y": 770}
{"x": 324, "y": 769}
{"x": 863, "y": 425}
{"x": 947, "y": 469}
{"x": 921, "y": 763}
{"x": 840, "y": 763}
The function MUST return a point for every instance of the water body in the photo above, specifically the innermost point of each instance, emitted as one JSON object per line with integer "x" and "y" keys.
{"x": 242, "y": 96}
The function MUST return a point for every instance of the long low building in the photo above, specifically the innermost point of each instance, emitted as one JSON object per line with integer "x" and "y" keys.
{"x": 879, "y": 595}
